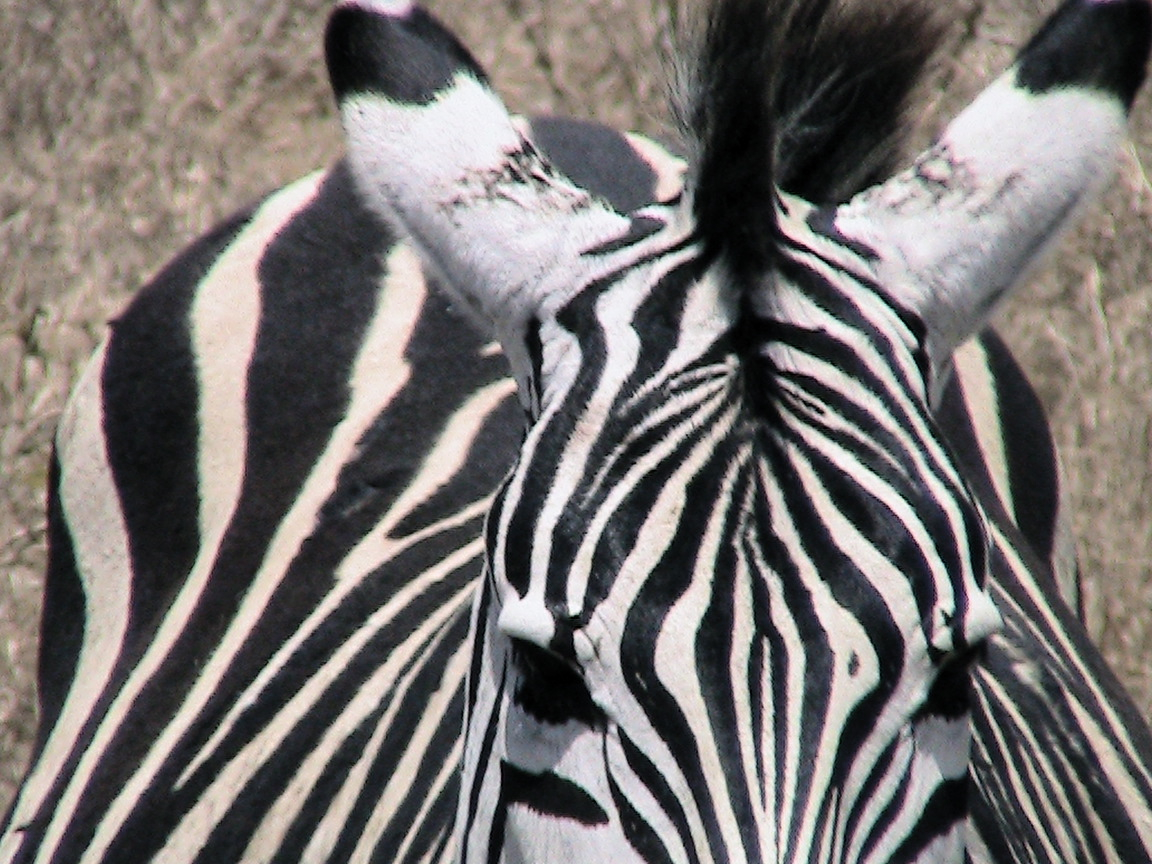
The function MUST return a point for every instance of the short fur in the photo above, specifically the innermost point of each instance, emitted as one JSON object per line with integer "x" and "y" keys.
{"x": 808, "y": 96}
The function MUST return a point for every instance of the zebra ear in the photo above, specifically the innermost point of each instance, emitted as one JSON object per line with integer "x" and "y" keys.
{"x": 958, "y": 229}
{"x": 432, "y": 147}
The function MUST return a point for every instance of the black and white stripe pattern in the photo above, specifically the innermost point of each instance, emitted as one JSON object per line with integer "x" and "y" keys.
{"x": 266, "y": 513}
{"x": 997, "y": 428}
{"x": 737, "y": 607}
{"x": 306, "y": 560}
{"x": 266, "y": 516}
{"x": 736, "y": 578}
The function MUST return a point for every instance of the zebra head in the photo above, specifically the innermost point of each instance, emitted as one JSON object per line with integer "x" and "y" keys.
{"x": 735, "y": 580}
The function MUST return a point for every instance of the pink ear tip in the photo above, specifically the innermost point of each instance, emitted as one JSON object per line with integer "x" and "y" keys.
{"x": 391, "y": 8}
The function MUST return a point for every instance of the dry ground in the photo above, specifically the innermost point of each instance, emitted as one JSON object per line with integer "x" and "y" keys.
{"x": 129, "y": 126}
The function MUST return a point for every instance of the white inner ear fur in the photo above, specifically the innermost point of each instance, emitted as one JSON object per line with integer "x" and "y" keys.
{"x": 505, "y": 235}
{"x": 957, "y": 230}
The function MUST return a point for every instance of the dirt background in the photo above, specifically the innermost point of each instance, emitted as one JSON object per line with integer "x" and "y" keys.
{"x": 127, "y": 127}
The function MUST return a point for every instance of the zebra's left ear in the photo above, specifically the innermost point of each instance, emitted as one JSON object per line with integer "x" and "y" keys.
{"x": 432, "y": 146}
{"x": 958, "y": 229}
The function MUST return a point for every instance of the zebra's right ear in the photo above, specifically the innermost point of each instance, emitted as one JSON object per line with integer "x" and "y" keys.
{"x": 432, "y": 146}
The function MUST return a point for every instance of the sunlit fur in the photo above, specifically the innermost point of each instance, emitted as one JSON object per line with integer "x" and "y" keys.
{"x": 735, "y": 580}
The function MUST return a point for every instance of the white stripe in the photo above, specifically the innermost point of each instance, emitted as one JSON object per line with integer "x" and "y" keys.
{"x": 740, "y": 669}
{"x": 91, "y": 506}
{"x": 981, "y": 401}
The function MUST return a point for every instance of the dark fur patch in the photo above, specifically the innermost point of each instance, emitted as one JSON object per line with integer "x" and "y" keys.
{"x": 843, "y": 94}
{"x": 1097, "y": 45}
{"x": 597, "y": 159}
{"x": 551, "y": 690}
{"x": 733, "y": 120}
{"x": 408, "y": 58}
{"x": 549, "y": 795}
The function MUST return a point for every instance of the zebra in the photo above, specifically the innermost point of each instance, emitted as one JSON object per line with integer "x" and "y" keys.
{"x": 159, "y": 744}
{"x": 132, "y": 382}
{"x": 735, "y": 583}
{"x": 151, "y": 427}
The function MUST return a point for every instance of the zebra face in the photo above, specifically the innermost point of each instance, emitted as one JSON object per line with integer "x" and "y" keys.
{"x": 735, "y": 580}
{"x": 754, "y": 578}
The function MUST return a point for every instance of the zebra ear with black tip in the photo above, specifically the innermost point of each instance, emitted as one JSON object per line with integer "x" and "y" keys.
{"x": 969, "y": 218}
{"x": 432, "y": 147}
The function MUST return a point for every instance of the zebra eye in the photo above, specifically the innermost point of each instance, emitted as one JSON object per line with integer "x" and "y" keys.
{"x": 551, "y": 689}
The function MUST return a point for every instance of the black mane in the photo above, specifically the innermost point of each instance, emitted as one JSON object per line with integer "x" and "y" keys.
{"x": 808, "y": 96}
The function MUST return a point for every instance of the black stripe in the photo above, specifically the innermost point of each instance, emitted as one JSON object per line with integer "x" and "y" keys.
{"x": 149, "y": 389}
{"x": 639, "y": 834}
{"x": 483, "y": 758}
{"x": 912, "y": 323}
{"x": 877, "y": 823}
{"x": 320, "y": 284}
{"x": 640, "y": 228}
{"x": 947, "y": 807}
{"x": 149, "y": 394}
{"x": 548, "y": 794}
{"x": 1033, "y": 476}
{"x": 671, "y": 578}
{"x": 397, "y": 744}
{"x": 712, "y": 654}
{"x": 654, "y": 781}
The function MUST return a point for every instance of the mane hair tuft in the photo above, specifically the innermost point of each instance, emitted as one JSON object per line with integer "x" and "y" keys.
{"x": 807, "y": 96}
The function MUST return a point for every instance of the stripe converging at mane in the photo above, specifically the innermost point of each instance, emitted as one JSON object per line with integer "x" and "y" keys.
{"x": 808, "y": 96}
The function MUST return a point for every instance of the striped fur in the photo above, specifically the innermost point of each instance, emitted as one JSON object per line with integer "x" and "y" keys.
{"x": 735, "y": 580}
{"x": 476, "y": 443}
{"x": 996, "y": 426}
{"x": 299, "y": 741}
{"x": 255, "y": 604}
{"x": 325, "y": 554}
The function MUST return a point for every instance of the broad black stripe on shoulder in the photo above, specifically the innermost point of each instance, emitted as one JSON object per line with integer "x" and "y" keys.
{"x": 1077, "y": 48}
{"x": 395, "y": 49}
{"x": 320, "y": 288}
{"x": 150, "y": 394}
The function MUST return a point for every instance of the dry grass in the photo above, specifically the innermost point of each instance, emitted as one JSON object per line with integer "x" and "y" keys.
{"x": 129, "y": 126}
